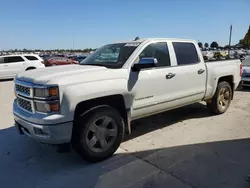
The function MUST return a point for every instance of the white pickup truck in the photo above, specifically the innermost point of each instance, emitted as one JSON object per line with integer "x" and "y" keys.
{"x": 92, "y": 104}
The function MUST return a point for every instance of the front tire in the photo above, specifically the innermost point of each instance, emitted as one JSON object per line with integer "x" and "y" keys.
{"x": 221, "y": 99}
{"x": 99, "y": 133}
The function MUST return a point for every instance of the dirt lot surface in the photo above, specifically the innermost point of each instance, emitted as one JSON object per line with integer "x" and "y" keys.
{"x": 183, "y": 148}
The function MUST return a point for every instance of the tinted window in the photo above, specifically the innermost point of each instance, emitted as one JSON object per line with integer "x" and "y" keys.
{"x": 158, "y": 51}
{"x": 31, "y": 58}
{"x": 185, "y": 53}
{"x": 13, "y": 59}
{"x": 1, "y": 60}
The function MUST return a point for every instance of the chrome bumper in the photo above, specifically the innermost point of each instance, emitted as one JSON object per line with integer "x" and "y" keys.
{"x": 50, "y": 134}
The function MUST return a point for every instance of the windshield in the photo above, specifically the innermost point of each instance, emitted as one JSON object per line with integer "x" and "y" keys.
{"x": 111, "y": 55}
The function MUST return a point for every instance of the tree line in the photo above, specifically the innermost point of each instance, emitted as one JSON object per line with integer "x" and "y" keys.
{"x": 246, "y": 40}
{"x": 214, "y": 44}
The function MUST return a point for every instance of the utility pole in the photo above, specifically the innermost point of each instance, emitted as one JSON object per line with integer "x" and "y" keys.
{"x": 230, "y": 37}
{"x": 73, "y": 40}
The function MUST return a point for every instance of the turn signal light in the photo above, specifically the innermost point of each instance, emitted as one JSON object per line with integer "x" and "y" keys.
{"x": 53, "y": 91}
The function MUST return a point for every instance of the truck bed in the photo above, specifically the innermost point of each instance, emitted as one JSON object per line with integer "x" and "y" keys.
{"x": 220, "y": 60}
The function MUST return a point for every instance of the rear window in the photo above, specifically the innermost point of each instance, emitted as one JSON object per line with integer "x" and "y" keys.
{"x": 13, "y": 59}
{"x": 185, "y": 53}
{"x": 31, "y": 58}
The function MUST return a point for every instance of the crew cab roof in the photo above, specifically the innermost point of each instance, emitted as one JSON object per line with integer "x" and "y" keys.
{"x": 155, "y": 39}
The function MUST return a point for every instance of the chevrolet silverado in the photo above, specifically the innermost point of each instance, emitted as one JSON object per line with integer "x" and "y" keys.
{"x": 90, "y": 106}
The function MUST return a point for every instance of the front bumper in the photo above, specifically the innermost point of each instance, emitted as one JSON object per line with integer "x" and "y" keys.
{"x": 49, "y": 134}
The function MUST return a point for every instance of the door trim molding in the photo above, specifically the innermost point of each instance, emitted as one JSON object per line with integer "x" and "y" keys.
{"x": 162, "y": 102}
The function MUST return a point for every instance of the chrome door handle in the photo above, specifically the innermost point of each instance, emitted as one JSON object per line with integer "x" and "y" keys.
{"x": 170, "y": 75}
{"x": 5, "y": 65}
{"x": 201, "y": 71}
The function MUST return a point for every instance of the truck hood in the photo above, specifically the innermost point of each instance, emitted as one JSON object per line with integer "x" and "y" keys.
{"x": 68, "y": 74}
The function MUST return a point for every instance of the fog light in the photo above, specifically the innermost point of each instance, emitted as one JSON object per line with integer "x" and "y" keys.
{"x": 54, "y": 107}
{"x": 40, "y": 132}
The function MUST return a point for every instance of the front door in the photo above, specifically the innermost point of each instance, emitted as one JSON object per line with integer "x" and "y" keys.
{"x": 149, "y": 86}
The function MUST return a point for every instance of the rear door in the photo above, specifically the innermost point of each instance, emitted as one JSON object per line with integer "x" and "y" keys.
{"x": 14, "y": 65}
{"x": 3, "y": 68}
{"x": 34, "y": 61}
{"x": 190, "y": 73}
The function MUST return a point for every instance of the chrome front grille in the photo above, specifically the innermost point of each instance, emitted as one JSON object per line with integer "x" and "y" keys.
{"x": 25, "y": 104}
{"x": 23, "y": 89}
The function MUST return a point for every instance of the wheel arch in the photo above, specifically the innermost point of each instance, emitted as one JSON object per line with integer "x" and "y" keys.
{"x": 30, "y": 68}
{"x": 230, "y": 80}
{"x": 116, "y": 101}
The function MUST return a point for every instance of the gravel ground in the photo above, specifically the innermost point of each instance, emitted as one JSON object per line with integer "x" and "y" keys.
{"x": 186, "y": 148}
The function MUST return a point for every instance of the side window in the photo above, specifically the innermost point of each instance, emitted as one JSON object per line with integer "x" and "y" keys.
{"x": 185, "y": 53}
{"x": 159, "y": 51}
{"x": 31, "y": 58}
{"x": 13, "y": 59}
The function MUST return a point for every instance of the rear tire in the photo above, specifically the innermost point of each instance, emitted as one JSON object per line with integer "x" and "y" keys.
{"x": 221, "y": 99}
{"x": 98, "y": 134}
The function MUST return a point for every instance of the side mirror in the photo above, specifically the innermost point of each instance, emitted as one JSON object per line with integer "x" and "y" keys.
{"x": 145, "y": 63}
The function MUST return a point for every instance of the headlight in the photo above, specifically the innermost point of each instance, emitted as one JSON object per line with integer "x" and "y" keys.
{"x": 46, "y": 92}
{"x": 47, "y": 107}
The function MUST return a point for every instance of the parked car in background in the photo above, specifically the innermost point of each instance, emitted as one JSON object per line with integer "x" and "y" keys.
{"x": 54, "y": 61}
{"x": 208, "y": 55}
{"x": 78, "y": 58}
{"x": 45, "y": 56}
{"x": 245, "y": 79}
{"x": 10, "y": 65}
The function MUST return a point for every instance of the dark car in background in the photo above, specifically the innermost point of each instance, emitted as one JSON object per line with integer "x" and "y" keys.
{"x": 78, "y": 58}
{"x": 54, "y": 61}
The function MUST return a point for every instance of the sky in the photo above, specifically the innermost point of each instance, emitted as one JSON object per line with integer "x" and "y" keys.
{"x": 78, "y": 24}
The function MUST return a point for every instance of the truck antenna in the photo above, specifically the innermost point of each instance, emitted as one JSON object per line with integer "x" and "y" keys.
{"x": 136, "y": 38}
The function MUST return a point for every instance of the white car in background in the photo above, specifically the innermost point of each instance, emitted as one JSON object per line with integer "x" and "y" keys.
{"x": 10, "y": 65}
